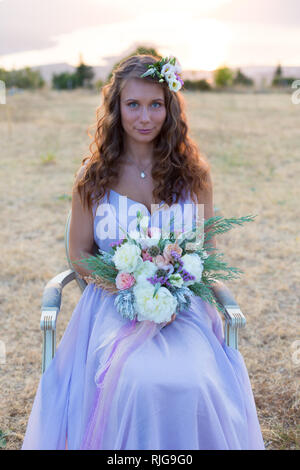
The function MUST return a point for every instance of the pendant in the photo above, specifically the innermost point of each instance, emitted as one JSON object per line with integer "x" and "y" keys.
{"x": 143, "y": 175}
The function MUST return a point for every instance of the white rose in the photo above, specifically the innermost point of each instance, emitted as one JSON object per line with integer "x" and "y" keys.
{"x": 127, "y": 257}
{"x": 194, "y": 265}
{"x": 144, "y": 270}
{"x": 158, "y": 308}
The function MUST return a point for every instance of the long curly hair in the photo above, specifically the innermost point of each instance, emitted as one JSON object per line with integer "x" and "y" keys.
{"x": 178, "y": 166}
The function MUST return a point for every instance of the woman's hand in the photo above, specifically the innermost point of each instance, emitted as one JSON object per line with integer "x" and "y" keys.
{"x": 172, "y": 319}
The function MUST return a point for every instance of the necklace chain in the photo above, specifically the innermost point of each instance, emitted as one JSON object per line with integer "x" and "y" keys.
{"x": 142, "y": 172}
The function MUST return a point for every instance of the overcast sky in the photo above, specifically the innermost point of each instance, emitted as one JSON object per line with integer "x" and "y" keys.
{"x": 201, "y": 34}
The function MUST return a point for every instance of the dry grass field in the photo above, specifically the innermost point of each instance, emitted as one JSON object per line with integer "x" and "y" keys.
{"x": 252, "y": 142}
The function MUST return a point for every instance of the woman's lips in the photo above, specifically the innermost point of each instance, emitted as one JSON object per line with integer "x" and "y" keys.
{"x": 145, "y": 131}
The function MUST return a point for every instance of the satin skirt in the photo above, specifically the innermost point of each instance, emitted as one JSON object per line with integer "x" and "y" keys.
{"x": 118, "y": 384}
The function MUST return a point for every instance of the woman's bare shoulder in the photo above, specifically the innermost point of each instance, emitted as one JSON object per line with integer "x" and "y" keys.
{"x": 80, "y": 171}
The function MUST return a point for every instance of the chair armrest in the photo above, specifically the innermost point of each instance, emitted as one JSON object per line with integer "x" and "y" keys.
{"x": 234, "y": 319}
{"x": 52, "y": 298}
{"x": 50, "y": 309}
{"x": 233, "y": 314}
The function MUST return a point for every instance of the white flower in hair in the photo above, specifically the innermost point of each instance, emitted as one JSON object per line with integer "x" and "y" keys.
{"x": 149, "y": 72}
{"x": 170, "y": 76}
{"x": 166, "y": 69}
{"x": 177, "y": 66}
{"x": 174, "y": 85}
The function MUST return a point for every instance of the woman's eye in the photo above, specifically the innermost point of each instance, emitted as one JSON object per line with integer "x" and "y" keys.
{"x": 156, "y": 102}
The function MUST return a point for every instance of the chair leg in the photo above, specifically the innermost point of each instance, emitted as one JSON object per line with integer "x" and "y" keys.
{"x": 49, "y": 347}
{"x": 231, "y": 336}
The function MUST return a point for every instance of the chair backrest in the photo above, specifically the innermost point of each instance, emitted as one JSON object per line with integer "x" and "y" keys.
{"x": 82, "y": 284}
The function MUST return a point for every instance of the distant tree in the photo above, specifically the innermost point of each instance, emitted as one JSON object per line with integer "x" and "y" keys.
{"x": 283, "y": 81}
{"x": 278, "y": 71}
{"x": 3, "y": 75}
{"x": 81, "y": 77}
{"x": 65, "y": 81}
{"x": 223, "y": 76}
{"x": 242, "y": 79}
{"x": 146, "y": 50}
{"x": 85, "y": 74}
{"x": 202, "y": 85}
{"x": 279, "y": 80}
{"x": 32, "y": 78}
{"x": 25, "y": 78}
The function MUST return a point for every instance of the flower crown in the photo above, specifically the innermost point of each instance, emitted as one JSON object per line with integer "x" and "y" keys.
{"x": 166, "y": 69}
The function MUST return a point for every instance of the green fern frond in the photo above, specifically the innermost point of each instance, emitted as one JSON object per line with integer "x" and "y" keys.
{"x": 206, "y": 294}
{"x": 218, "y": 224}
{"x": 96, "y": 264}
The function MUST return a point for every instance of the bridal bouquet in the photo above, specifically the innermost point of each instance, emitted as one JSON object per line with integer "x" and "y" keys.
{"x": 154, "y": 275}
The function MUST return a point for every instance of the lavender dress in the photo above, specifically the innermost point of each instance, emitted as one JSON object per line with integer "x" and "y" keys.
{"x": 111, "y": 386}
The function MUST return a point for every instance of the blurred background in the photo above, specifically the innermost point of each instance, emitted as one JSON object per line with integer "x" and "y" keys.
{"x": 63, "y": 44}
{"x": 241, "y": 72}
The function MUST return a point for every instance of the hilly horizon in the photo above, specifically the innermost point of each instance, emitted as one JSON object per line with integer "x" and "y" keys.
{"x": 261, "y": 74}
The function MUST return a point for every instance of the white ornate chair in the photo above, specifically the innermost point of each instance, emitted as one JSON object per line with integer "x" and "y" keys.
{"x": 234, "y": 319}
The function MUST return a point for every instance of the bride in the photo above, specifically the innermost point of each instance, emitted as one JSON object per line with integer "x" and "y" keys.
{"x": 183, "y": 388}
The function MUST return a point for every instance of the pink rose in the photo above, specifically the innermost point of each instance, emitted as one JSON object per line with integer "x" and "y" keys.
{"x": 163, "y": 263}
{"x": 171, "y": 247}
{"x": 160, "y": 261}
{"x": 124, "y": 281}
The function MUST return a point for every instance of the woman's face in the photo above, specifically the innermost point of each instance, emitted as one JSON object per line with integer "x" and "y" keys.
{"x": 142, "y": 107}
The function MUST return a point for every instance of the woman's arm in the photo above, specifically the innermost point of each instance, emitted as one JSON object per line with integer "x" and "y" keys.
{"x": 81, "y": 237}
{"x": 206, "y": 198}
